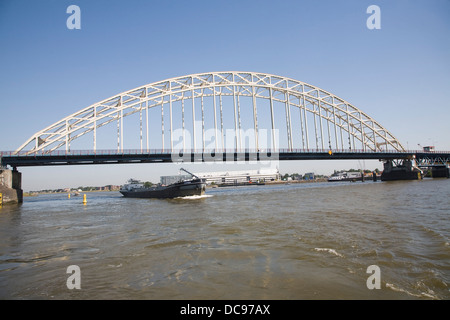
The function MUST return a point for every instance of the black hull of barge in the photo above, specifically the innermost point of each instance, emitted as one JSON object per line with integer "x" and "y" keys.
{"x": 172, "y": 191}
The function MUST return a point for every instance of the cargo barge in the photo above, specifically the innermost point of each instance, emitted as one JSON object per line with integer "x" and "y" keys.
{"x": 183, "y": 188}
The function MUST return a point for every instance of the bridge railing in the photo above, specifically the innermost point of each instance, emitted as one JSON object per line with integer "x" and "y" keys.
{"x": 196, "y": 151}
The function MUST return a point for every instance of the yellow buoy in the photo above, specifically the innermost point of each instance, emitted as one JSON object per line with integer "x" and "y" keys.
{"x": 84, "y": 199}
{"x": 68, "y": 195}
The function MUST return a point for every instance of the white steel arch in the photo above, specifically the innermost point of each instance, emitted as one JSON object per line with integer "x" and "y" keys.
{"x": 324, "y": 121}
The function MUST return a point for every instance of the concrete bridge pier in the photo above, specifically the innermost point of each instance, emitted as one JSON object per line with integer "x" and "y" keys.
{"x": 405, "y": 169}
{"x": 11, "y": 186}
{"x": 440, "y": 172}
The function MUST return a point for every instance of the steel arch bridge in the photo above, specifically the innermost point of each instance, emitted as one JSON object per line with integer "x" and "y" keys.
{"x": 220, "y": 111}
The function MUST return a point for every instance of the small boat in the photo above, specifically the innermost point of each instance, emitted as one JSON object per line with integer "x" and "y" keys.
{"x": 347, "y": 176}
{"x": 335, "y": 178}
{"x": 193, "y": 187}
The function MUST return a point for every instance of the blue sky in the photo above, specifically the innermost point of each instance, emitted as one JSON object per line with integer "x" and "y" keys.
{"x": 399, "y": 74}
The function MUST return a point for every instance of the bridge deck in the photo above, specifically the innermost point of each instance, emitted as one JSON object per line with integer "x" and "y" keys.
{"x": 160, "y": 156}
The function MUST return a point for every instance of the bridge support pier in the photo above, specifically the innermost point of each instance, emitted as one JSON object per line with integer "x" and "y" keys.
{"x": 11, "y": 186}
{"x": 403, "y": 170}
{"x": 440, "y": 172}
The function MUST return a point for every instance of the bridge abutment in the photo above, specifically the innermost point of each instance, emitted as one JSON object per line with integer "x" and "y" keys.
{"x": 11, "y": 186}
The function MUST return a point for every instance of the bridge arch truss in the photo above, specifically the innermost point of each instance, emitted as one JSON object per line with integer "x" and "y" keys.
{"x": 221, "y": 111}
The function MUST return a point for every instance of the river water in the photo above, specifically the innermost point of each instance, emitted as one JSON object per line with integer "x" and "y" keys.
{"x": 297, "y": 241}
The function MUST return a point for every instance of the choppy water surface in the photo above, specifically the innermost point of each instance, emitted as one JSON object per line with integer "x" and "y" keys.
{"x": 298, "y": 241}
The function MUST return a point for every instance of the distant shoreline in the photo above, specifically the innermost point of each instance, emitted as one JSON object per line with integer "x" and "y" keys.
{"x": 34, "y": 194}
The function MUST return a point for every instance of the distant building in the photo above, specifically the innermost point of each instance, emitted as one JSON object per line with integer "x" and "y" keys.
{"x": 111, "y": 188}
{"x": 262, "y": 175}
{"x": 309, "y": 176}
{"x": 166, "y": 180}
